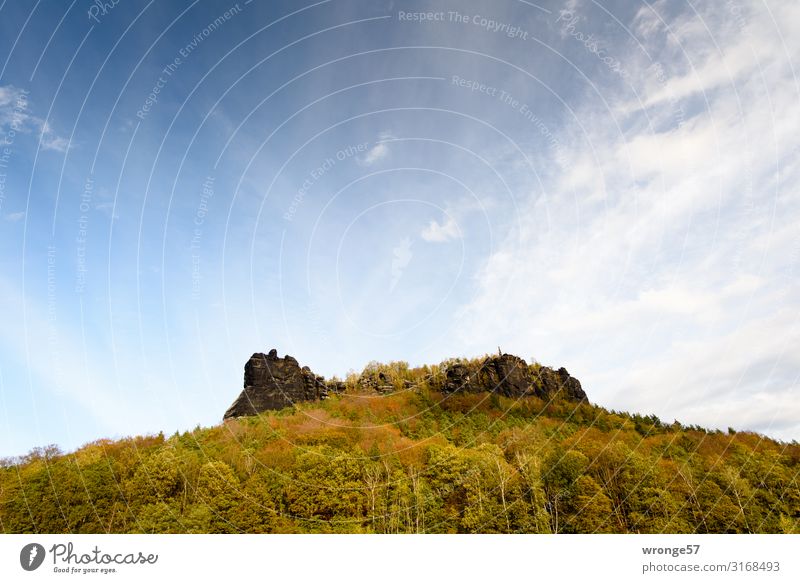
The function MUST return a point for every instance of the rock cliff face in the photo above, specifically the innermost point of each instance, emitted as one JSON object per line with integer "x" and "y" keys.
{"x": 511, "y": 376}
{"x": 272, "y": 383}
{"x": 505, "y": 374}
{"x": 559, "y": 382}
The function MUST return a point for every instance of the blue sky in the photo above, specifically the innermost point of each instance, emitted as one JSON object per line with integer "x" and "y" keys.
{"x": 608, "y": 187}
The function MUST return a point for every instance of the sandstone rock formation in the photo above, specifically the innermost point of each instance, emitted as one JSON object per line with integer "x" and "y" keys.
{"x": 511, "y": 376}
{"x": 505, "y": 374}
{"x": 272, "y": 383}
{"x": 559, "y": 382}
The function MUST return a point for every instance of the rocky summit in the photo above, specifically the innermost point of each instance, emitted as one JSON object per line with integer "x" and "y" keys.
{"x": 272, "y": 383}
{"x": 511, "y": 376}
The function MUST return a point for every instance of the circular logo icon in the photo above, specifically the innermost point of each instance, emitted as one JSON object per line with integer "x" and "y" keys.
{"x": 31, "y": 556}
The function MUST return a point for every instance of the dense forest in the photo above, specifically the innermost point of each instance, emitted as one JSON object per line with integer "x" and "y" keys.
{"x": 414, "y": 461}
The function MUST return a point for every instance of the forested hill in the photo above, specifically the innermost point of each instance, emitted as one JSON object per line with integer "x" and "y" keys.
{"x": 414, "y": 460}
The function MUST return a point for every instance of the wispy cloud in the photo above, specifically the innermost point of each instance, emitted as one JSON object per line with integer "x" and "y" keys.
{"x": 377, "y": 152}
{"x": 401, "y": 257}
{"x": 15, "y": 114}
{"x": 673, "y": 281}
{"x": 107, "y": 208}
{"x": 14, "y": 217}
{"x": 437, "y": 232}
{"x": 50, "y": 140}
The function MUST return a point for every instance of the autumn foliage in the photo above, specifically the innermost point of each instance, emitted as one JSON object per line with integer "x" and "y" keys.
{"x": 414, "y": 461}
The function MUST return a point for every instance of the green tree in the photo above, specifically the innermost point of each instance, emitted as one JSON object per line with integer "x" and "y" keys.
{"x": 561, "y": 472}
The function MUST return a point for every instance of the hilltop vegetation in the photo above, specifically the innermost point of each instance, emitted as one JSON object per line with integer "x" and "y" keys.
{"x": 415, "y": 460}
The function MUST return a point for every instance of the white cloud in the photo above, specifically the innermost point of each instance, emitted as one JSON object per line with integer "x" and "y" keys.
{"x": 13, "y": 109}
{"x": 51, "y": 141}
{"x": 401, "y": 257}
{"x": 662, "y": 272}
{"x": 647, "y": 23}
{"x": 437, "y": 232}
{"x": 107, "y": 208}
{"x": 14, "y": 217}
{"x": 378, "y": 152}
{"x": 15, "y": 114}
{"x": 714, "y": 50}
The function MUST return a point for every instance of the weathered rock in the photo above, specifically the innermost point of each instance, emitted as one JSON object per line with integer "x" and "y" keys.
{"x": 505, "y": 374}
{"x": 334, "y": 386}
{"x": 560, "y": 383}
{"x": 457, "y": 379}
{"x": 511, "y": 376}
{"x": 272, "y": 383}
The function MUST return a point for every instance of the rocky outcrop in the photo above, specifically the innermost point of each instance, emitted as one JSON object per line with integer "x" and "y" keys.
{"x": 505, "y": 374}
{"x": 559, "y": 382}
{"x": 272, "y": 383}
{"x": 511, "y": 376}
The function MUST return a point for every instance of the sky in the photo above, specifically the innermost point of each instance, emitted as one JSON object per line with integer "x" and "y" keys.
{"x": 609, "y": 187}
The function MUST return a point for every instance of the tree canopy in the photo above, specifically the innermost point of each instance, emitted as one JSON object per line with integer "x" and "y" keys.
{"x": 414, "y": 461}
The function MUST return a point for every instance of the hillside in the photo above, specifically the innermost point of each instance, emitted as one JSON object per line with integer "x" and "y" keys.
{"x": 410, "y": 457}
